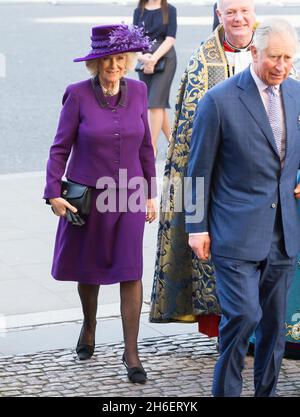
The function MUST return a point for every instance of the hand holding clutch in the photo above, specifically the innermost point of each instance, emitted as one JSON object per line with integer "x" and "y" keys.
{"x": 59, "y": 206}
{"x": 74, "y": 203}
{"x": 159, "y": 67}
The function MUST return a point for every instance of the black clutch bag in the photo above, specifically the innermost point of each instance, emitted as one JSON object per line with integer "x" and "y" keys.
{"x": 159, "y": 67}
{"x": 79, "y": 196}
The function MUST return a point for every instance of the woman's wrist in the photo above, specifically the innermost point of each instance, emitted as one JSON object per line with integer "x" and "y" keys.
{"x": 52, "y": 199}
{"x": 155, "y": 58}
{"x": 145, "y": 57}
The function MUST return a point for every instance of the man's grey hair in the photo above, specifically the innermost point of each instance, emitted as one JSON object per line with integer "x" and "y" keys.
{"x": 220, "y": 4}
{"x": 276, "y": 26}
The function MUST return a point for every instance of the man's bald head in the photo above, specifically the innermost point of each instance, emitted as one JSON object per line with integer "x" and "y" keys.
{"x": 222, "y": 3}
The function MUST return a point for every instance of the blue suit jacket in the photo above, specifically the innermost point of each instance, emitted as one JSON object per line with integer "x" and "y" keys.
{"x": 233, "y": 148}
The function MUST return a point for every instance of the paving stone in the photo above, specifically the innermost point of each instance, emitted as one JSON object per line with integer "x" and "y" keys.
{"x": 177, "y": 366}
{"x": 5, "y": 374}
{"x": 11, "y": 394}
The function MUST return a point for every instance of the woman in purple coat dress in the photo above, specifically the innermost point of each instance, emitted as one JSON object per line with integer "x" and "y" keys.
{"x": 104, "y": 136}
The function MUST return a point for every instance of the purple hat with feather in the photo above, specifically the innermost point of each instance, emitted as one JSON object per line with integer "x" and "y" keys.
{"x": 116, "y": 39}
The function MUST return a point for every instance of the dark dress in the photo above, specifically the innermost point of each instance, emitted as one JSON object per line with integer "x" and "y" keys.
{"x": 159, "y": 84}
{"x": 100, "y": 136}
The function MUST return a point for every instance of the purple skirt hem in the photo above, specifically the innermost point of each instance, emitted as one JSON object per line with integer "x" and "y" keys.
{"x": 96, "y": 277}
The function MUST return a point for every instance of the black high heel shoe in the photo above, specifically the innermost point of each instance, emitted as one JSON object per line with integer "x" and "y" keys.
{"x": 136, "y": 374}
{"x": 83, "y": 350}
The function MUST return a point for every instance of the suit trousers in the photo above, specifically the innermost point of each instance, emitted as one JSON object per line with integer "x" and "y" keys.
{"x": 253, "y": 297}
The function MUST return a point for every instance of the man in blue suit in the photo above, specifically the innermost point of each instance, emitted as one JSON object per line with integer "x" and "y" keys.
{"x": 246, "y": 146}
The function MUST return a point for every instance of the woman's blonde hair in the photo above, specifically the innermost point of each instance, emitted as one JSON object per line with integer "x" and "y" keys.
{"x": 93, "y": 64}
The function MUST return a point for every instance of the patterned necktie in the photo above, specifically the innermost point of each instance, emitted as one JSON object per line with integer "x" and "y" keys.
{"x": 274, "y": 109}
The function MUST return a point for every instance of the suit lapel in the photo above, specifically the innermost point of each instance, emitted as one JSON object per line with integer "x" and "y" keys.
{"x": 251, "y": 99}
{"x": 289, "y": 107}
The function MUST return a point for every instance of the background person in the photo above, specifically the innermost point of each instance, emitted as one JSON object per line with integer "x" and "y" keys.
{"x": 159, "y": 19}
{"x": 103, "y": 126}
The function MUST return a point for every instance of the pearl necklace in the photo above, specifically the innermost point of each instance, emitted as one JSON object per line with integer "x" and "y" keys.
{"x": 110, "y": 92}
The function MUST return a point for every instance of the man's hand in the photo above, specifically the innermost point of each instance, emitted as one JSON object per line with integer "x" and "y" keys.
{"x": 297, "y": 192}
{"x": 200, "y": 245}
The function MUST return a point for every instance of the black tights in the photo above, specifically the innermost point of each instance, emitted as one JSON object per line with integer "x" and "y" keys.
{"x": 131, "y": 293}
{"x": 89, "y": 301}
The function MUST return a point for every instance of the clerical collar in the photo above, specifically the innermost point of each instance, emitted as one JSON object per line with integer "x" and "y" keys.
{"x": 228, "y": 47}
